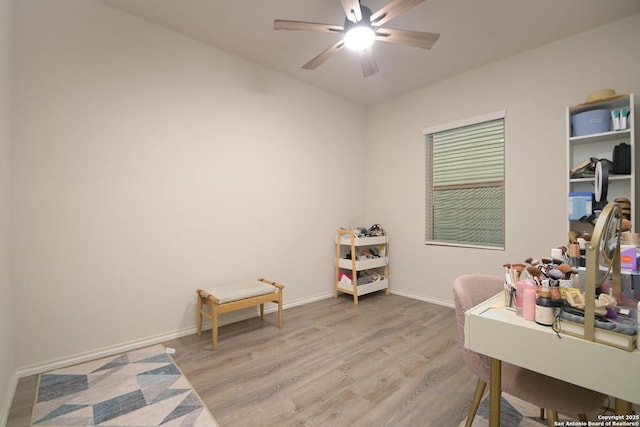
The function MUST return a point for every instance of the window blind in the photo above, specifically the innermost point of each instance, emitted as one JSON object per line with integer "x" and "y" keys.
{"x": 465, "y": 185}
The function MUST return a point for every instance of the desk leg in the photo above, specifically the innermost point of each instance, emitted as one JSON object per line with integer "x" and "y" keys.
{"x": 623, "y": 407}
{"x": 495, "y": 383}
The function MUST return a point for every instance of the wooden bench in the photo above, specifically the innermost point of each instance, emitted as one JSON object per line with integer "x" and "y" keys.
{"x": 236, "y": 296}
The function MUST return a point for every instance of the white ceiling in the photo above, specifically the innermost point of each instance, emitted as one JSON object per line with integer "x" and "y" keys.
{"x": 473, "y": 33}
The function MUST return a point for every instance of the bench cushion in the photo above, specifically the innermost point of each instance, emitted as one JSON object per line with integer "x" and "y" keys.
{"x": 238, "y": 291}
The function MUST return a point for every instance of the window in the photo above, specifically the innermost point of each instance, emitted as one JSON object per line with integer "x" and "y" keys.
{"x": 465, "y": 182}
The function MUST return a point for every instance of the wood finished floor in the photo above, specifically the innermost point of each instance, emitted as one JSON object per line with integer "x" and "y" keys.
{"x": 389, "y": 361}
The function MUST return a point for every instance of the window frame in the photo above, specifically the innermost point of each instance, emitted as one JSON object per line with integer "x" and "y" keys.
{"x": 427, "y": 133}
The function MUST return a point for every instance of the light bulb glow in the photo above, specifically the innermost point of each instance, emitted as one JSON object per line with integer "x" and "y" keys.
{"x": 359, "y": 37}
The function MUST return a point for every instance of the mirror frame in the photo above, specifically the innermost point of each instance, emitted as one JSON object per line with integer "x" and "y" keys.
{"x": 605, "y": 229}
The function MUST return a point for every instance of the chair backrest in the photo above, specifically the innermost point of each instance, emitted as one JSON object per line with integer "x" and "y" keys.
{"x": 468, "y": 291}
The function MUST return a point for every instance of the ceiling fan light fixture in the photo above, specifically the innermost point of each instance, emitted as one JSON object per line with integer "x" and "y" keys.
{"x": 359, "y": 37}
{"x": 360, "y": 30}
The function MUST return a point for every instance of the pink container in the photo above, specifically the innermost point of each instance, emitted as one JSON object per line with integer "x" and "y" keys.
{"x": 529, "y": 302}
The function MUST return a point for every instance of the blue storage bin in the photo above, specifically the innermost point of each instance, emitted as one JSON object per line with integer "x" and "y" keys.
{"x": 580, "y": 204}
{"x": 594, "y": 121}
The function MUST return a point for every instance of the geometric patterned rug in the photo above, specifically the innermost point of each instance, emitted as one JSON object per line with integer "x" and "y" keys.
{"x": 514, "y": 412}
{"x": 140, "y": 388}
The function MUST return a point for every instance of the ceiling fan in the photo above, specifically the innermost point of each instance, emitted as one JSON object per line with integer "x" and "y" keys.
{"x": 361, "y": 28}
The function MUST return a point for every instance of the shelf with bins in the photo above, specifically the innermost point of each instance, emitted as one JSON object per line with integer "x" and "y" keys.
{"x": 582, "y": 148}
{"x": 351, "y": 259}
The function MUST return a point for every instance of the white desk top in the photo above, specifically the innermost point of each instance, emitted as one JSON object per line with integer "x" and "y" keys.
{"x": 493, "y": 330}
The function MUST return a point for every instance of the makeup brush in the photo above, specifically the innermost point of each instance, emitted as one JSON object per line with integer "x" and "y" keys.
{"x": 555, "y": 274}
{"x": 566, "y": 270}
{"x": 535, "y": 273}
{"x": 508, "y": 275}
{"x": 573, "y": 236}
{"x": 519, "y": 267}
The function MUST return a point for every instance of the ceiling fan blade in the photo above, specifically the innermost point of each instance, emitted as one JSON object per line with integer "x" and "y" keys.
{"x": 407, "y": 37}
{"x": 391, "y": 10}
{"x": 280, "y": 24}
{"x": 352, "y": 10}
{"x": 319, "y": 60}
{"x": 368, "y": 62}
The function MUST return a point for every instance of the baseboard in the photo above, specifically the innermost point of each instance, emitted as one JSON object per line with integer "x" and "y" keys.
{"x": 99, "y": 353}
{"x": 160, "y": 338}
{"x": 308, "y": 300}
{"x": 151, "y": 340}
{"x": 423, "y": 298}
{"x": 6, "y": 405}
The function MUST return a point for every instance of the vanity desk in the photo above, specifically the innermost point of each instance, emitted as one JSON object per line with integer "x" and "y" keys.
{"x": 494, "y": 330}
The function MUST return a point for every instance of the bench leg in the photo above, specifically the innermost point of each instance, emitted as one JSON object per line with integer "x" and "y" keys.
{"x": 280, "y": 311}
{"x": 214, "y": 326}
{"x": 199, "y": 315}
{"x": 262, "y": 311}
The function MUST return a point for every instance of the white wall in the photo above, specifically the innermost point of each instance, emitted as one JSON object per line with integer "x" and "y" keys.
{"x": 147, "y": 165}
{"x": 7, "y": 365}
{"x": 534, "y": 88}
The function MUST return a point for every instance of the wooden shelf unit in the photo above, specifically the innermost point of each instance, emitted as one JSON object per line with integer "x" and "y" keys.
{"x": 348, "y": 242}
{"x": 601, "y": 145}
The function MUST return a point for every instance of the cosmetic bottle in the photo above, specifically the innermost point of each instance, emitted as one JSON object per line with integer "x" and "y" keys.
{"x": 574, "y": 254}
{"x": 529, "y": 302}
{"x": 624, "y": 115}
{"x": 520, "y": 287}
{"x": 615, "y": 119}
{"x": 545, "y": 306}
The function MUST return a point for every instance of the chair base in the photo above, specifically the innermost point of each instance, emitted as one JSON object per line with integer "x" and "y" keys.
{"x": 475, "y": 404}
{"x": 481, "y": 386}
